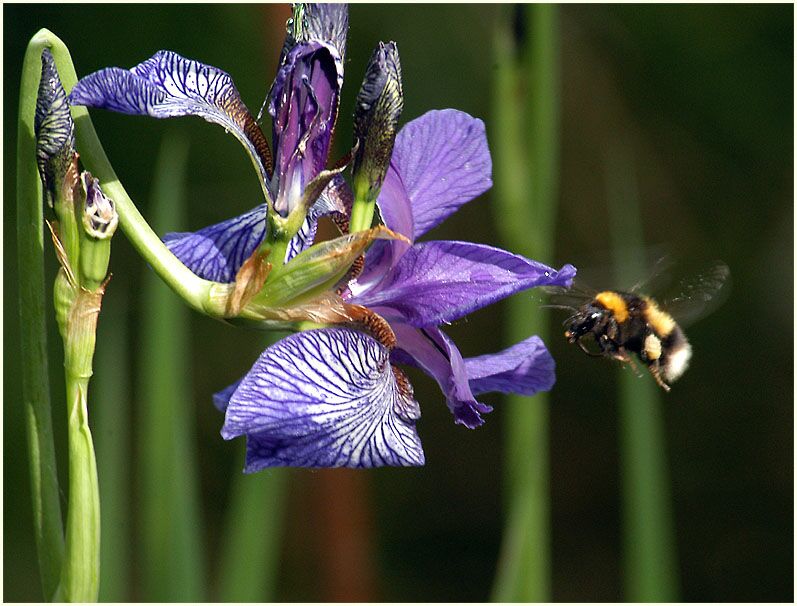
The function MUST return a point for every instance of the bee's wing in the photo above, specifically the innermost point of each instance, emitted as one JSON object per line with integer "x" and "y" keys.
{"x": 698, "y": 296}
{"x": 657, "y": 279}
{"x": 568, "y": 298}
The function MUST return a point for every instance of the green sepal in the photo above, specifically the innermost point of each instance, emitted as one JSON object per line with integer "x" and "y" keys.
{"x": 318, "y": 268}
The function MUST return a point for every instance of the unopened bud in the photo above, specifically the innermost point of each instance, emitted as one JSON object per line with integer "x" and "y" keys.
{"x": 99, "y": 224}
{"x": 54, "y": 129}
{"x": 99, "y": 213}
{"x": 379, "y": 105}
{"x": 376, "y": 115}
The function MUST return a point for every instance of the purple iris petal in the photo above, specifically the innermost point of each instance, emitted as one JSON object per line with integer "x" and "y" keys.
{"x": 444, "y": 162}
{"x": 303, "y": 106}
{"x": 441, "y": 281}
{"x": 439, "y": 357}
{"x": 168, "y": 85}
{"x": 325, "y": 398}
{"x": 221, "y": 399}
{"x": 217, "y": 252}
{"x": 525, "y": 368}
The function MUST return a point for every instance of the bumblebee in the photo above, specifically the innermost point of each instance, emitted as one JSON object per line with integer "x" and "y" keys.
{"x": 626, "y": 323}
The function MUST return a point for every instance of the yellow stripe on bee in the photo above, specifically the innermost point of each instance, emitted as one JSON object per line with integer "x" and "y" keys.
{"x": 660, "y": 321}
{"x": 615, "y": 303}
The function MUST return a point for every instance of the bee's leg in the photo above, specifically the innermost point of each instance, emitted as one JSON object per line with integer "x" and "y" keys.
{"x": 623, "y": 356}
{"x": 656, "y": 372}
{"x": 587, "y": 351}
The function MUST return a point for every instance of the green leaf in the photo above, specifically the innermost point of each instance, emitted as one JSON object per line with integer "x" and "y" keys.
{"x": 649, "y": 557}
{"x": 526, "y": 149}
{"x": 172, "y": 562}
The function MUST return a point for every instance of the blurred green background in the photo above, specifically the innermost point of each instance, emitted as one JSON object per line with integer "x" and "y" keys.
{"x": 700, "y": 101}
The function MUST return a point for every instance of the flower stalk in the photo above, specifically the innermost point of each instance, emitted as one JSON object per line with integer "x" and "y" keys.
{"x": 48, "y": 524}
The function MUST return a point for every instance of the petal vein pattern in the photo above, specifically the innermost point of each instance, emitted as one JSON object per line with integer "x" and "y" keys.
{"x": 217, "y": 252}
{"x": 168, "y": 85}
{"x": 324, "y": 398}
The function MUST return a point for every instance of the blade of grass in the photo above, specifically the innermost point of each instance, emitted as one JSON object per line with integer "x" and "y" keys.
{"x": 172, "y": 556}
{"x": 47, "y": 520}
{"x": 526, "y": 188}
{"x": 649, "y": 557}
{"x": 250, "y": 550}
{"x": 113, "y": 443}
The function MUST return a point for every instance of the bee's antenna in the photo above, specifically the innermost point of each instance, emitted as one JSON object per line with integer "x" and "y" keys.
{"x": 552, "y": 306}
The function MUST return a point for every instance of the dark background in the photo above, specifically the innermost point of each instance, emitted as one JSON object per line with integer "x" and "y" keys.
{"x": 703, "y": 98}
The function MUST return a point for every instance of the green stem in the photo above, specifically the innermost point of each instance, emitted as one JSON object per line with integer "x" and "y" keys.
{"x": 526, "y": 188}
{"x": 171, "y": 530}
{"x": 81, "y": 573}
{"x": 362, "y": 210}
{"x": 78, "y": 323}
{"x": 253, "y": 532}
{"x": 649, "y": 557}
{"x": 48, "y": 525}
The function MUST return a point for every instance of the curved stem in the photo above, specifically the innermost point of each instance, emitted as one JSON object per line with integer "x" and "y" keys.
{"x": 47, "y": 520}
{"x": 194, "y": 290}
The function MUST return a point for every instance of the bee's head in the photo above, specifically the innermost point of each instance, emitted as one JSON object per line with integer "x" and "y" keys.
{"x": 582, "y": 322}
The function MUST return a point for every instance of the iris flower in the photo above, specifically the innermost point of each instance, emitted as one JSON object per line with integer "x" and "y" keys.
{"x": 334, "y": 396}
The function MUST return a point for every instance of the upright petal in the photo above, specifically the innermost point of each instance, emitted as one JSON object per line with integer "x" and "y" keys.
{"x": 441, "y": 281}
{"x": 303, "y": 106}
{"x": 168, "y": 85}
{"x": 432, "y": 350}
{"x": 444, "y": 162}
{"x": 525, "y": 368}
{"x": 325, "y": 398}
{"x": 217, "y": 252}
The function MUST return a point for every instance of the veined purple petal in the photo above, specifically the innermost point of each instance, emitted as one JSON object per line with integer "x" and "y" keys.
{"x": 441, "y": 281}
{"x": 217, "y": 252}
{"x": 444, "y": 162}
{"x": 303, "y": 106}
{"x": 439, "y": 357}
{"x": 325, "y": 398}
{"x": 168, "y": 85}
{"x": 525, "y": 368}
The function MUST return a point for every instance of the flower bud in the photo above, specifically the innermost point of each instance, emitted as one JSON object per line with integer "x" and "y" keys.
{"x": 99, "y": 221}
{"x": 54, "y": 129}
{"x": 377, "y": 111}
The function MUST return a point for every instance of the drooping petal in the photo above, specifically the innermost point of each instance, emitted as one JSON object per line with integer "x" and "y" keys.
{"x": 525, "y": 368}
{"x": 303, "y": 106}
{"x": 432, "y": 350}
{"x": 168, "y": 85}
{"x": 441, "y": 281}
{"x": 444, "y": 162}
{"x": 325, "y": 398}
{"x": 217, "y": 252}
